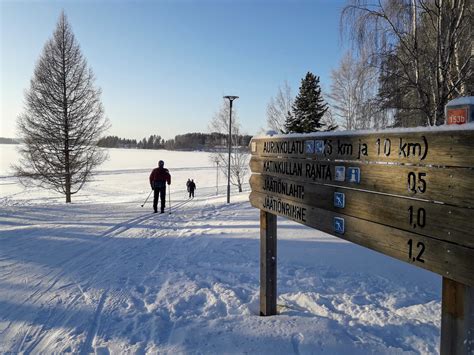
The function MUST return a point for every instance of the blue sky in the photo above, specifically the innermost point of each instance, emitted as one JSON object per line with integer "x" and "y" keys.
{"x": 163, "y": 66}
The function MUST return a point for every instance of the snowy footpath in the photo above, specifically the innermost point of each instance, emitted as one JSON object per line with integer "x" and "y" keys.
{"x": 103, "y": 275}
{"x": 115, "y": 278}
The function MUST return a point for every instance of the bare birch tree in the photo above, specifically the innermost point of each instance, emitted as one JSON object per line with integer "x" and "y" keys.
{"x": 353, "y": 95}
{"x": 329, "y": 119}
{"x": 239, "y": 157}
{"x": 279, "y": 108}
{"x": 422, "y": 48}
{"x": 344, "y": 90}
{"x": 63, "y": 118}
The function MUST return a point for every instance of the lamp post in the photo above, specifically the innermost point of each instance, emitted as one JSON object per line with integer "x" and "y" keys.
{"x": 231, "y": 99}
{"x": 217, "y": 177}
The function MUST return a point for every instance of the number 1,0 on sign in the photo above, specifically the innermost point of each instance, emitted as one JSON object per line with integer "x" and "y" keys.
{"x": 417, "y": 217}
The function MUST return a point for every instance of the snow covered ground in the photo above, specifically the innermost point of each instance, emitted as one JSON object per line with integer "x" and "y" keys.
{"x": 104, "y": 275}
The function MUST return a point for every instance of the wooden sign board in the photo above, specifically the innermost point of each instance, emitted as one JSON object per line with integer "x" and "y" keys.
{"x": 446, "y": 148}
{"x": 418, "y": 183}
{"x": 446, "y": 185}
{"x": 412, "y": 215}
{"x": 447, "y": 259}
{"x": 407, "y": 194}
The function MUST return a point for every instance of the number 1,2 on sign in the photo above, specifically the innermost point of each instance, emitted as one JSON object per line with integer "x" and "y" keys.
{"x": 420, "y": 249}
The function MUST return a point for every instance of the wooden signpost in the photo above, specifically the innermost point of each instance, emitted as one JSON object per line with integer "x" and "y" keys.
{"x": 407, "y": 194}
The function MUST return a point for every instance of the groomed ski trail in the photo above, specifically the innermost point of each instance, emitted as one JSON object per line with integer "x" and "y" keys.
{"x": 78, "y": 290}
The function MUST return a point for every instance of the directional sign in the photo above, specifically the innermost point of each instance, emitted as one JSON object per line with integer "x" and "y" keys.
{"x": 440, "y": 146}
{"x": 414, "y": 183}
{"x": 448, "y": 185}
{"x": 446, "y": 259}
{"x": 405, "y": 193}
{"x": 441, "y": 221}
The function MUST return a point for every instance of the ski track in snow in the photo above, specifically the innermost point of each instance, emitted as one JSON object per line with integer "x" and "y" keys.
{"x": 154, "y": 297}
{"x": 110, "y": 277}
{"x": 78, "y": 266}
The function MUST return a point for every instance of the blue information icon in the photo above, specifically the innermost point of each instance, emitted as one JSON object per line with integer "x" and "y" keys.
{"x": 319, "y": 147}
{"x": 353, "y": 175}
{"x": 339, "y": 200}
{"x": 309, "y": 147}
{"x": 340, "y": 173}
{"x": 339, "y": 225}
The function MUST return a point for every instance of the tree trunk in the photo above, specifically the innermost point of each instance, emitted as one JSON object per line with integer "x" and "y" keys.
{"x": 66, "y": 123}
{"x": 470, "y": 76}
{"x": 68, "y": 194}
{"x": 239, "y": 183}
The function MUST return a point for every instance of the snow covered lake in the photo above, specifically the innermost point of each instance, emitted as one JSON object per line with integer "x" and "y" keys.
{"x": 104, "y": 275}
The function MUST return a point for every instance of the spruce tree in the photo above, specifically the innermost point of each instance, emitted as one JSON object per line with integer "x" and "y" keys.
{"x": 308, "y": 107}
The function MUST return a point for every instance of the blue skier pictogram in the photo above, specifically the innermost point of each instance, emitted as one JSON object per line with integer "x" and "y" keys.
{"x": 339, "y": 225}
{"x": 319, "y": 147}
{"x": 309, "y": 147}
{"x": 339, "y": 200}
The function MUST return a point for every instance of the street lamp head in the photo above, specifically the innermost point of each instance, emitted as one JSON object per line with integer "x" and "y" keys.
{"x": 230, "y": 97}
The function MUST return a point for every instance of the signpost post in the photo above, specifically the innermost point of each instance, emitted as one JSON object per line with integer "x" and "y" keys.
{"x": 407, "y": 194}
{"x": 268, "y": 257}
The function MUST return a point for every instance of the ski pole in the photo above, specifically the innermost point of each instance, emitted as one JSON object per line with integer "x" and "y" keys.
{"x": 147, "y": 198}
{"x": 169, "y": 200}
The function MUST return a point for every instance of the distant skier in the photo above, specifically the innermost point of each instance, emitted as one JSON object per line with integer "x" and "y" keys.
{"x": 187, "y": 184}
{"x": 192, "y": 187}
{"x": 158, "y": 179}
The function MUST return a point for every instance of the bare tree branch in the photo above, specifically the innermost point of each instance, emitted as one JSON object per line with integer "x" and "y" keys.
{"x": 422, "y": 50}
{"x": 239, "y": 158}
{"x": 278, "y": 109}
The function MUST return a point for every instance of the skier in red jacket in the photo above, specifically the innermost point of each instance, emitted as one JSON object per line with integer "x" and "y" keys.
{"x": 159, "y": 177}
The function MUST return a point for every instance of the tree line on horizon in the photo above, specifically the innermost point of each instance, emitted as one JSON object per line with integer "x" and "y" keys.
{"x": 188, "y": 141}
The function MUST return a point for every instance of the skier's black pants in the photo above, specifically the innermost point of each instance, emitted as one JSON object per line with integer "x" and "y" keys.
{"x": 191, "y": 193}
{"x": 161, "y": 191}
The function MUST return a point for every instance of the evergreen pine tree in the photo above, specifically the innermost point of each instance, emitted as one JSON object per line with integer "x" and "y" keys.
{"x": 308, "y": 107}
